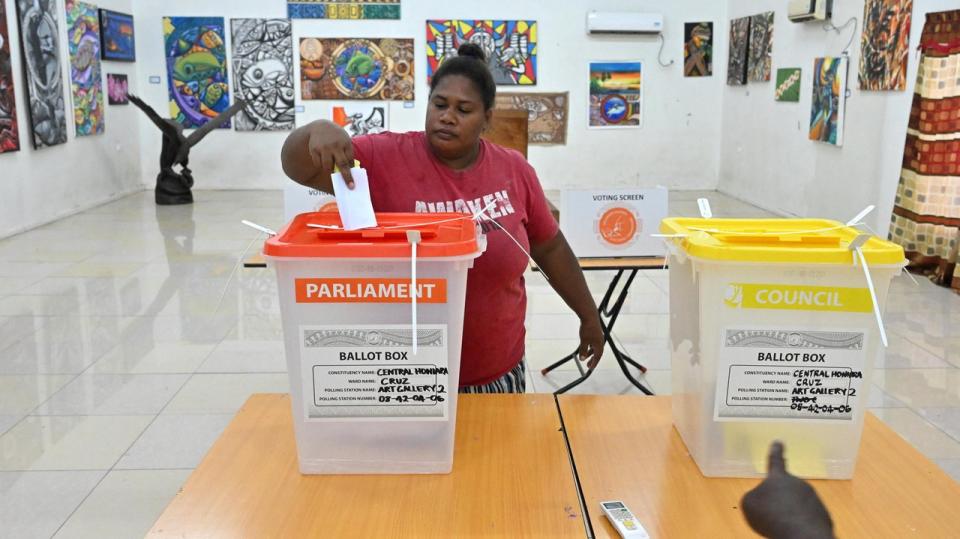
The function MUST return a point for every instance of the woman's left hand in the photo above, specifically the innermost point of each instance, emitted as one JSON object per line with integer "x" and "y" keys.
{"x": 591, "y": 341}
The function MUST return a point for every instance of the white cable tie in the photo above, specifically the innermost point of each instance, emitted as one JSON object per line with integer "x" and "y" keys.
{"x": 873, "y": 296}
{"x": 859, "y": 218}
{"x": 413, "y": 236}
{"x": 255, "y": 226}
{"x": 483, "y": 215}
{"x": 705, "y": 210}
{"x": 325, "y": 227}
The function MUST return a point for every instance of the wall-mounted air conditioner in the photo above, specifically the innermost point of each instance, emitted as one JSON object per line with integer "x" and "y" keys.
{"x": 608, "y": 22}
{"x": 809, "y": 10}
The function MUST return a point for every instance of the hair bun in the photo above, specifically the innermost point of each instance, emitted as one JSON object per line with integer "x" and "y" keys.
{"x": 471, "y": 50}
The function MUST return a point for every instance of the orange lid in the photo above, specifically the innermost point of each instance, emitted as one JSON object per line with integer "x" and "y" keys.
{"x": 441, "y": 235}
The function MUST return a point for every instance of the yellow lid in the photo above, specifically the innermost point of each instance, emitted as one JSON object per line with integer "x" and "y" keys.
{"x": 797, "y": 241}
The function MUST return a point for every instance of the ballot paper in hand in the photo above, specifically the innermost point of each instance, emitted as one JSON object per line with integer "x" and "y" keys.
{"x": 356, "y": 209}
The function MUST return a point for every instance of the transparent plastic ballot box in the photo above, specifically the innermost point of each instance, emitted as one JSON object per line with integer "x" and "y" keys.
{"x": 372, "y": 324}
{"x": 774, "y": 332}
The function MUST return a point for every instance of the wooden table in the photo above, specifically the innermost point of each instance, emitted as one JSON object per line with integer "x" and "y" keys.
{"x": 511, "y": 478}
{"x": 625, "y": 447}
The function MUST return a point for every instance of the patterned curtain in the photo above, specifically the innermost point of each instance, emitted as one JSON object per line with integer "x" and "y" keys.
{"x": 926, "y": 215}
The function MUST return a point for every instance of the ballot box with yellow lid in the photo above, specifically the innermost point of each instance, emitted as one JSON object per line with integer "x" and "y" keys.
{"x": 775, "y": 326}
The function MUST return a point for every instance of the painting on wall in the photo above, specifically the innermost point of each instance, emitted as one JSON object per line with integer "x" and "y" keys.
{"x": 361, "y": 118}
{"x": 40, "y": 45}
{"x": 117, "y": 89}
{"x": 829, "y": 97}
{"x": 510, "y": 46}
{"x": 547, "y": 120}
{"x": 117, "y": 37}
{"x": 356, "y": 68}
{"x": 760, "y": 47}
{"x": 885, "y": 44}
{"x": 9, "y": 131}
{"x": 343, "y": 9}
{"x": 616, "y": 94}
{"x": 737, "y": 60}
{"x": 86, "y": 81}
{"x": 698, "y": 49}
{"x": 788, "y": 85}
{"x": 263, "y": 73}
{"x": 196, "y": 69}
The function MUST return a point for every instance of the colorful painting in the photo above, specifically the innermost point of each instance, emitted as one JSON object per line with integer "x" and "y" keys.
{"x": 9, "y": 131}
{"x": 263, "y": 73}
{"x": 885, "y": 44}
{"x": 616, "y": 94}
{"x": 788, "y": 85}
{"x": 698, "y": 49}
{"x": 761, "y": 47}
{"x": 117, "y": 89}
{"x": 547, "y": 121}
{"x": 117, "y": 37}
{"x": 86, "y": 81}
{"x": 361, "y": 68}
{"x": 510, "y": 47}
{"x": 196, "y": 69}
{"x": 829, "y": 97}
{"x": 361, "y": 118}
{"x": 737, "y": 60}
{"x": 40, "y": 45}
{"x": 343, "y": 9}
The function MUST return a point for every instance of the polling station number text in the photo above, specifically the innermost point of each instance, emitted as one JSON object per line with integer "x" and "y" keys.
{"x": 404, "y": 399}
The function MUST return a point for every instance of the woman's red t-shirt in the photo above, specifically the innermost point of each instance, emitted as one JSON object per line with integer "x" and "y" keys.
{"x": 405, "y": 176}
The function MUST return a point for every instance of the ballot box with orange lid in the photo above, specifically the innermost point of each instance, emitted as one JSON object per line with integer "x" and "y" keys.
{"x": 372, "y": 323}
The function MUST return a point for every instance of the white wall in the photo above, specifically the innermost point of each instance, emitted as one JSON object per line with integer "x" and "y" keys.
{"x": 766, "y": 157}
{"x": 676, "y": 147}
{"x": 39, "y": 186}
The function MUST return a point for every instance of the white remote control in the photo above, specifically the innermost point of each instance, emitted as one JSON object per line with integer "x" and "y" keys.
{"x": 623, "y": 520}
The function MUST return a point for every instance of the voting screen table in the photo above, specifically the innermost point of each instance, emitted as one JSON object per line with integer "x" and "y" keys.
{"x": 609, "y": 309}
{"x": 625, "y": 448}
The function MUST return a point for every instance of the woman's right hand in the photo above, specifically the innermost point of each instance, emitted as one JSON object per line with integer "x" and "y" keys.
{"x": 330, "y": 146}
{"x": 311, "y": 151}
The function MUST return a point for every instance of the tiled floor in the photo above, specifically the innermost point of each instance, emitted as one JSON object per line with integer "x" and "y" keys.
{"x": 128, "y": 341}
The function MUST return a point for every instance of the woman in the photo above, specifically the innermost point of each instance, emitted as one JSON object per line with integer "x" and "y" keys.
{"x": 448, "y": 167}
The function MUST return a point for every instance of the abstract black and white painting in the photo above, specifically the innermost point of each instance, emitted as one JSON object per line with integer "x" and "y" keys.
{"x": 263, "y": 73}
{"x": 43, "y": 71}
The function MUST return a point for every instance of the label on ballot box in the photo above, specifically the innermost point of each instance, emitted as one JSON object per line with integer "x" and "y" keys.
{"x": 790, "y": 374}
{"x": 370, "y": 372}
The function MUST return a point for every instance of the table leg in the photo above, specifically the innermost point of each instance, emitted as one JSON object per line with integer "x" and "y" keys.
{"x": 611, "y": 313}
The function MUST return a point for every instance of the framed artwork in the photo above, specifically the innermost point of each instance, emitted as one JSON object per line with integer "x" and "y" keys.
{"x": 196, "y": 69}
{"x": 86, "y": 79}
{"x": 547, "y": 114}
{"x": 263, "y": 73}
{"x": 737, "y": 59}
{"x": 117, "y": 89}
{"x": 356, "y": 68}
{"x": 885, "y": 44}
{"x": 788, "y": 85}
{"x": 43, "y": 71}
{"x": 760, "y": 47}
{"x": 361, "y": 118}
{"x": 829, "y": 99}
{"x": 616, "y": 94}
{"x": 9, "y": 131}
{"x": 510, "y": 46}
{"x": 343, "y": 9}
{"x": 117, "y": 36}
{"x": 698, "y": 49}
